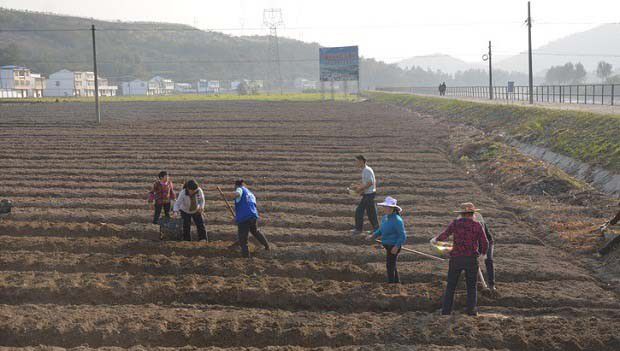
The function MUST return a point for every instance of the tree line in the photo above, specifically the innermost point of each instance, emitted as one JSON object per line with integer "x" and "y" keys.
{"x": 570, "y": 73}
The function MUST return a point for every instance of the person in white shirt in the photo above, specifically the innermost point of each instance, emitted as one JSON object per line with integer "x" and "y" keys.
{"x": 191, "y": 203}
{"x": 368, "y": 190}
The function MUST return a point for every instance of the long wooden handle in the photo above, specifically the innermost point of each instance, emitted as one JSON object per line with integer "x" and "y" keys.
{"x": 226, "y": 201}
{"x": 481, "y": 278}
{"x": 418, "y": 252}
{"x": 480, "y": 275}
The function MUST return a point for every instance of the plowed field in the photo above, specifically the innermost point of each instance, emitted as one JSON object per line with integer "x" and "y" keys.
{"x": 81, "y": 267}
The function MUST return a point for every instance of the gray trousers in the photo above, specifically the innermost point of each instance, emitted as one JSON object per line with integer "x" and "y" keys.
{"x": 367, "y": 204}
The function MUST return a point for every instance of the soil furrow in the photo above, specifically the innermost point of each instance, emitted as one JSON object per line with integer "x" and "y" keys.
{"x": 72, "y": 326}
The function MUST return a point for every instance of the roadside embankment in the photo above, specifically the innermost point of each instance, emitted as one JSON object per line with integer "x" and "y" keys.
{"x": 585, "y": 145}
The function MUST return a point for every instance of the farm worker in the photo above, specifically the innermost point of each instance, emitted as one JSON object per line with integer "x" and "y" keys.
{"x": 191, "y": 203}
{"x": 5, "y": 206}
{"x": 246, "y": 217}
{"x": 488, "y": 261}
{"x": 368, "y": 190}
{"x": 613, "y": 242}
{"x": 161, "y": 195}
{"x": 393, "y": 236}
{"x": 469, "y": 242}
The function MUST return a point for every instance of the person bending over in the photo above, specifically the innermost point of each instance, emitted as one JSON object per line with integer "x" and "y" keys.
{"x": 246, "y": 217}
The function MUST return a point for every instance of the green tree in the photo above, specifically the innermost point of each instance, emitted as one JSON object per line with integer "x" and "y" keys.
{"x": 579, "y": 74}
{"x": 603, "y": 70}
{"x": 566, "y": 74}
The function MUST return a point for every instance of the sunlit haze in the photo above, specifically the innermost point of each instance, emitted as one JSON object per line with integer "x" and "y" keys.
{"x": 388, "y": 30}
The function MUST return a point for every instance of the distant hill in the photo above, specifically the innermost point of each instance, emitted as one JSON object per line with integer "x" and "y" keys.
{"x": 128, "y": 50}
{"x": 594, "y": 43}
{"x": 438, "y": 62}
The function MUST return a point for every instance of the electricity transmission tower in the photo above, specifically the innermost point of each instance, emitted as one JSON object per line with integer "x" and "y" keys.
{"x": 272, "y": 19}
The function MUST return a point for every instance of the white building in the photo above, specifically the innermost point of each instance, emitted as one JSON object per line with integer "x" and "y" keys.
{"x": 65, "y": 83}
{"x": 105, "y": 89}
{"x": 305, "y": 84}
{"x": 202, "y": 86}
{"x": 208, "y": 86}
{"x": 15, "y": 82}
{"x": 161, "y": 86}
{"x": 135, "y": 88}
{"x": 213, "y": 87}
{"x": 184, "y": 88}
{"x": 61, "y": 84}
{"x": 37, "y": 85}
{"x": 234, "y": 85}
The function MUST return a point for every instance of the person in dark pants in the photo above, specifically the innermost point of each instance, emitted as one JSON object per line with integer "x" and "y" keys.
{"x": 611, "y": 244}
{"x": 488, "y": 261}
{"x": 161, "y": 196}
{"x": 393, "y": 236}
{"x": 469, "y": 241}
{"x": 368, "y": 190}
{"x": 246, "y": 217}
{"x": 191, "y": 203}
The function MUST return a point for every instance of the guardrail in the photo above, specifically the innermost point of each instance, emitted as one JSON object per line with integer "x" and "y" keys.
{"x": 598, "y": 94}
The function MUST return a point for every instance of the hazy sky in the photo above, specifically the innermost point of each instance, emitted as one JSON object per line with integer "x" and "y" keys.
{"x": 389, "y": 30}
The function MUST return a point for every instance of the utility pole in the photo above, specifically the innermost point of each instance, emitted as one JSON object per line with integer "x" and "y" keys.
{"x": 272, "y": 18}
{"x": 97, "y": 109}
{"x": 529, "y": 52}
{"x": 488, "y": 57}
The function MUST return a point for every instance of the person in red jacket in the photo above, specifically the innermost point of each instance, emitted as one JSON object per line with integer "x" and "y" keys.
{"x": 469, "y": 242}
{"x": 161, "y": 196}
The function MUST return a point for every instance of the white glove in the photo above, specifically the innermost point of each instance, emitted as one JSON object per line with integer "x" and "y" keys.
{"x": 434, "y": 241}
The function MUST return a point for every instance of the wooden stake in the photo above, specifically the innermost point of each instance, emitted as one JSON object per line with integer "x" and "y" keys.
{"x": 232, "y": 212}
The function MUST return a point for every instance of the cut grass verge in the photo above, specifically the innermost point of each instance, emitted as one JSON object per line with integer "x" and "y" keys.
{"x": 588, "y": 137}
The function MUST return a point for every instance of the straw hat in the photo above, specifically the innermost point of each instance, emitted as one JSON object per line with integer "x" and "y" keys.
{"x": 467, "y": 207}
{"x": 390, "y": 202}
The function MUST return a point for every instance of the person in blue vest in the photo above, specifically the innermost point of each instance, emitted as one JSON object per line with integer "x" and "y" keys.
{"x": 246, "y": 217}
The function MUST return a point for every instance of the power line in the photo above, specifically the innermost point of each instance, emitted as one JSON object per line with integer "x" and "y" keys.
{"x": 309, "y": 60}
{"x": 185, "y": 61}
{"x": 45, "y": 30}
{"x": 370, "y": 27}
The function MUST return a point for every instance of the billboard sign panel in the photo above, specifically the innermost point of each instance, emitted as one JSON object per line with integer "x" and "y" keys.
{"x": 511, "y": 87}
{"x": 339, "y": 64}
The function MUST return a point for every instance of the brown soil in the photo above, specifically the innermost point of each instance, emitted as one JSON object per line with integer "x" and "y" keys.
{"x": 82, "y": 269}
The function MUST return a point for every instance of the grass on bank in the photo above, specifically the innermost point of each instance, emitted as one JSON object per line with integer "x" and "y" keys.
{"x": 191, "y": 97}
{"x": 588, "y": 137}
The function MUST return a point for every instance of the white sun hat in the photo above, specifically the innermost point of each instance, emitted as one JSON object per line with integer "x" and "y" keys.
{"x": 390, "y": 202}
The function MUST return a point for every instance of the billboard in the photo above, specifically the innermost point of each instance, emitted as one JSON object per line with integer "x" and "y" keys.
{"x": 339, "y": 64}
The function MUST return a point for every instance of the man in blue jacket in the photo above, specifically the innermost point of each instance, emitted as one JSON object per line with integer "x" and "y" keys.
{"x": 246, "y": 217}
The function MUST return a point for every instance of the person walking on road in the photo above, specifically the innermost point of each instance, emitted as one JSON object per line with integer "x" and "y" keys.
{"x": 191, "y": 203}
{"x": 368, "y": 190}
{"x": 393, "y": 236}
{"x": 161, "y": 196}
{"x": 246, "y": 217}
{"x": 469, "y": 242}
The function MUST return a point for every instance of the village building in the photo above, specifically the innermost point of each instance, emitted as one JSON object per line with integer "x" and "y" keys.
{"x": 161, "y": 86}
{"x": 15, "y": 82}
{"x": 136, "y": 87}
{"x": 65, "y": 83}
